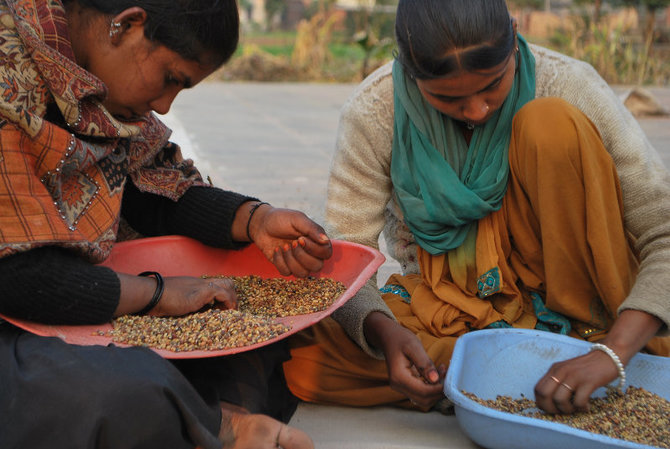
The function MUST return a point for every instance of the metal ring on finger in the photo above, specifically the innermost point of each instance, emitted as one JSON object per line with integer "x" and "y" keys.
{"x": 567, "y": 387}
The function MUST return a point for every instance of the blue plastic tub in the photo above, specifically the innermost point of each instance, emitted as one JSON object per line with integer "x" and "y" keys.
{"x": 509, "y": 362}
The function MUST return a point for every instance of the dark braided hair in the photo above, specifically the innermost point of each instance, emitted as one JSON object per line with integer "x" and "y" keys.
{"x": 439, "y": 37}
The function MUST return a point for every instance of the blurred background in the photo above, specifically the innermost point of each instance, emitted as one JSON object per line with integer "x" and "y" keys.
{"x": 627, "y": 41}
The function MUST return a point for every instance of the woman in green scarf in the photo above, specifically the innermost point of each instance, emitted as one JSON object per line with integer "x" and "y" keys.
{"x": 515, "y": 191}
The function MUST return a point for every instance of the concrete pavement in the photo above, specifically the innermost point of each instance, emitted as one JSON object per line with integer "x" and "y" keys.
{"x": 270, "y": 140}
{"x": 275, "y": 141}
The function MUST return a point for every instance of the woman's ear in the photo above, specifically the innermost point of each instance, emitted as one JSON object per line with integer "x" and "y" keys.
{"x": 131, "y": 19}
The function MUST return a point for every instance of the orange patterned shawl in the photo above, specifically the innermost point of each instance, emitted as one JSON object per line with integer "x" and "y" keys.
{"x": 63, "y": 185}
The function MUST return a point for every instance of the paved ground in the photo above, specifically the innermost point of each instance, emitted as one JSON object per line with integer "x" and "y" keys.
{"x": 275, "y": 141}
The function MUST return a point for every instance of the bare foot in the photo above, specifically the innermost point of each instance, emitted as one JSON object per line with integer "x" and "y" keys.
{"x": 242, "y": 430}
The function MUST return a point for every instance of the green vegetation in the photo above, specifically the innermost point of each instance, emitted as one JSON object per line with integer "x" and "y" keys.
{"x": 328, "y": 47}
{"x": 616, "y": 56}
{"x": 621, "y": 55}
{"x": 343, "y": 58}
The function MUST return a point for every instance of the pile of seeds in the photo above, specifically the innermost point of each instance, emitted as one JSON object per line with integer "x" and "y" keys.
{"x": 213, "y": 329}
{"x": 260, "y": 301}
{"x": 278, "y": 297}
{"x": 638, "y": 415}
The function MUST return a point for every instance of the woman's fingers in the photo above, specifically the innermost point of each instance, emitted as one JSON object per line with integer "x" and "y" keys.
{"x": 291, "y": 438}
{"x": 310, "y": 229}
{"x": 255, "y": 431}
{"x": 292, "y": 254}
{"x": 280, "y": 262}
{"x": 544, "y": 391}
{"x": 410, "y": 382}
{"x": 562, "y": 398}
{"x": 567, "y": 386}
{"x": 310, "y": 255}
{"x": 554, "y": 395}
{"x": 186, "y": 294}
{"x": 409, "y": 379}
{"x": 581, "y": 398}
{"x": 223, "y": 292}
{"x": 318, "y": 246}
{"x": 300, "y": 257}
{"x": 423, "y": 363}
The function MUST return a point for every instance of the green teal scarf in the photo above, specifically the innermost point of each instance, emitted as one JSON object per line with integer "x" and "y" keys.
{"x": 444, "y": 186}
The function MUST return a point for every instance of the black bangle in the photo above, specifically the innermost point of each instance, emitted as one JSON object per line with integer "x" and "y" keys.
{"x": 158, "y": 293}
{"x": 252, "y": 211}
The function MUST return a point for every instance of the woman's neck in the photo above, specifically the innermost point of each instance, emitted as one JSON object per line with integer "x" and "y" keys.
{"x": 80, "y": 22}
{"x": 467, "y": 131}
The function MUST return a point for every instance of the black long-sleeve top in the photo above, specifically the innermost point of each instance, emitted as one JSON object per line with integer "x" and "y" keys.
{"x": 55, "y": 286}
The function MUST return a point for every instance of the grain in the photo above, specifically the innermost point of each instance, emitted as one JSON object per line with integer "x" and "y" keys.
{"x": 261, "y": 302}
{"x": 212, "y": 329}
{"x": 638, "y": 415}
{"x": 277, "y": 297}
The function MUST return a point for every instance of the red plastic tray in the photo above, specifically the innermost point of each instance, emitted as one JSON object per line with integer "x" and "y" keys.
{"x": 351, "y": 263}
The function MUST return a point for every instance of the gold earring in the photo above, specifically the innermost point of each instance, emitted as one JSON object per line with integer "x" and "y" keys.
{"x": 114, "y": 29}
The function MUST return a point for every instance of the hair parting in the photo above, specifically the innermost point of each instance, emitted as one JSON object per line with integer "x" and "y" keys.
{"x": 439, "y": 37}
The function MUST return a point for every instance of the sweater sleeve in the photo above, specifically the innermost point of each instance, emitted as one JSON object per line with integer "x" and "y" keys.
{"x": 359, "y": 189}
{"x": 54, "y": 286}
{"x": 645, "y": 182}
{"x": 203, "y": 213}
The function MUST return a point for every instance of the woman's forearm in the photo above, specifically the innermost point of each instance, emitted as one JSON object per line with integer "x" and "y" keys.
{"x": 136, "y": 293}
{"x": 53, "y": 285}
{"x": 630, "y": 332}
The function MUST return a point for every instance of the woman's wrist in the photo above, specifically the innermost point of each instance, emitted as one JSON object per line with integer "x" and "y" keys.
{"x": 252, "y": 212}
{"x": 158, "y": 293}
{"x": 630, "y": 333}
{"x": 375, "y": 326}
{"x": 247, "y": 220}
{"x": 136, "y": 293}
{"x": 618, "y": 364}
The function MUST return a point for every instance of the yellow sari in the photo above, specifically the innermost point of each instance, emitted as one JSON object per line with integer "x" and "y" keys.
{"x": 559, "y": 234}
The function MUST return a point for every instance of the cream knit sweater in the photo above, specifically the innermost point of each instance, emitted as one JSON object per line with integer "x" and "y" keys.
{"x": 360, "y": 202}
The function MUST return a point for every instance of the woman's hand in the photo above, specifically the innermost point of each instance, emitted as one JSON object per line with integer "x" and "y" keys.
{"x": 181, "y": 295}
{"x": 568, "y": 385}
{"x": 291, "y": 240}
{"x": 253, "y": 431}
{"x": 411, "y": 371}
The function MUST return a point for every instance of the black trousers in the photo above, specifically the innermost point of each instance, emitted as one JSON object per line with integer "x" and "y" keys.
{"x": 54, "y": 395}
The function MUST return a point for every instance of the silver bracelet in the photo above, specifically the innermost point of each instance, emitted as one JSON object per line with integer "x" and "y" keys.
{"x": 617, "y": 361}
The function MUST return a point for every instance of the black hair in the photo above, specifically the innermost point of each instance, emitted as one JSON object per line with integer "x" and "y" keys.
{"x": 206, "y": 31}
{"x": 439, "y": 37}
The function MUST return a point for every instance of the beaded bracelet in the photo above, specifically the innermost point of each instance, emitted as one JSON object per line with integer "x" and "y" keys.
{"x": 158, "y": 293}
{"x": 252, "y": 211}
{"x": 617, "y": 361}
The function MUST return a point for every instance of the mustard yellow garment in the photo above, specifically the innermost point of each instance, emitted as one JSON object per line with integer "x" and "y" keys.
{"x": 559, "y": 232}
